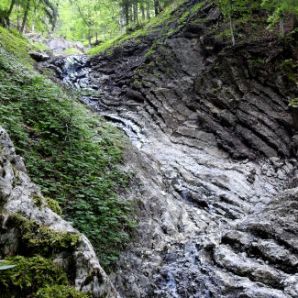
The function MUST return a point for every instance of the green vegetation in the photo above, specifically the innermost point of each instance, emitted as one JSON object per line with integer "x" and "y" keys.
{"x": 16, "y": 44}
{"x": 72, "y": 51}
{"x": 35, "y": 276}
{"x": 59, "y": 291}
{"x": 92, "y": 20}
{"x": 72, "y": 154}
{"x": 157, "y": 24}
{"x": 293, "y": 103}
{"x": 101, "y": 20}
{"x": 40, "y": 15}
{"x": 5, "y": 265}
{"x": 241, "y": 12}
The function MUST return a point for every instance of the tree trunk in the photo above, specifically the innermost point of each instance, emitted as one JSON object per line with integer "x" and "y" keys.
{"x": 148, "y": 10}
{"x": 125, "y": 12}
{"x": 135, "y": 11}
{"x": 25, "y": 18}
{"x": 130, "y": 12}
{"x": 123, "y": 18}
{"x": 89, "y": 37}
{"x": 282, "y": 26}
{"x": 156, "y": 7}
{"x": 142, "y": 7}
{"x": 12, "y": 4}
{"x": 5, "y": 15}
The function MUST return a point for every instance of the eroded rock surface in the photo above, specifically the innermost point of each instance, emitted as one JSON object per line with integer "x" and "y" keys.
{"x": 18, "y": 197}
{"x": 214, "y": 152}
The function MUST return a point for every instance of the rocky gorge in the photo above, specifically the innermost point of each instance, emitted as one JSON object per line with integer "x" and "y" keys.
{"x": 214, "y": 153}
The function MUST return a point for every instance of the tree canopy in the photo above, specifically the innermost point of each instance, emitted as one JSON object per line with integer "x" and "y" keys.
{"x": 78, "y": 19}
{"x": 98, "y": 20}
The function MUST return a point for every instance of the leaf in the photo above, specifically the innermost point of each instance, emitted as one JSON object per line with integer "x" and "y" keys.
{"x": 6, "y": 267}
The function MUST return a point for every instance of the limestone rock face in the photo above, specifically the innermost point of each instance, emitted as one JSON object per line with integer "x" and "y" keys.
{"x": 17, "y": 194}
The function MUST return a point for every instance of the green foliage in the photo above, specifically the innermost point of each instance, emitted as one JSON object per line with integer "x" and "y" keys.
{"x": 82, "y": 20}
{"x": 29, "y": 275}
{"x": 36, "y": 14}
{"x": 290, "y": 67}
{"x": 240, "y": 13}
{"x": 5, "y": 265}
{"x": 106, "y": 19}
{"x": 72, "y": 154}
{"x": 60, "y": 291}
{"x": 38, "y": 201}
{"x": 158, "y": 23}
{"x": 293, "y": 103}
{"x": 278, "y": 9}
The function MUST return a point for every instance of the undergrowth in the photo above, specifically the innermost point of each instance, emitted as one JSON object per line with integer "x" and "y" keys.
{"x": 72, "y": 154}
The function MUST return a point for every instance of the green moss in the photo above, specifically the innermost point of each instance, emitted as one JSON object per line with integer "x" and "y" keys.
{"x": 38, "y": 201}
{"x": 29, "y": 275}
{"x": 54, "y": 206}
{"x": 37, "y": 239}
{"x": 150, "y": 52}
{"x": 184, "y": 17}
{"x": 14, "y": 43}
{"x": 59, "y": 291}
{"x": 72, "y": 51}
{"x": 103, "y": 47}
{"x": 195, "y": 8}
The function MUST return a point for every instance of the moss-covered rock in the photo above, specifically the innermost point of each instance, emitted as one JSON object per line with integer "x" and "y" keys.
{"x": 29, "y": 275}
{"x": 59, "y": 291}
{"x": 37, "y": 239}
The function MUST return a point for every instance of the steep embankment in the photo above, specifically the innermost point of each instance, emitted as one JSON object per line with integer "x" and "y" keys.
{"x": 74, "y": 157}
{"x": 214, "y": 154}
{"x": 47, "y": 252}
